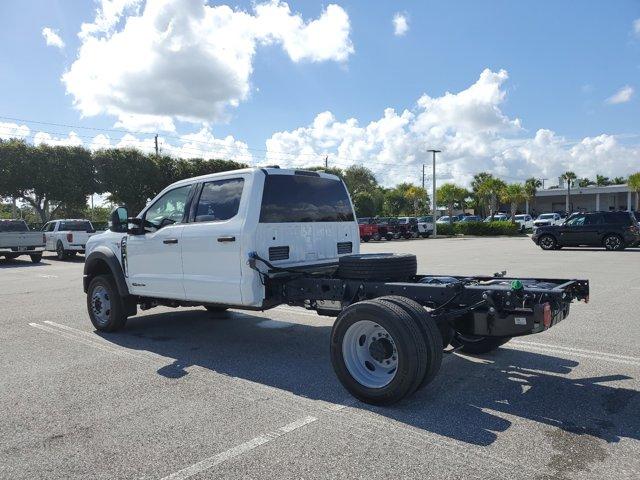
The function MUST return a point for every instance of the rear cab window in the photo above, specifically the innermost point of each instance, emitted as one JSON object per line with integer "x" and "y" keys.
{"x": 75, "y": 226}
{"x": 219, "y": 200}
{"x": 13, "y": 226}
{"x": 304, "y": 198}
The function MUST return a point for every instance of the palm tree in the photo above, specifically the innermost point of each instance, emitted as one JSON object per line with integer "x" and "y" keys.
{"x": 584, "y": 182}
{"x": 478, "y": 190}
{"x": 634, "y": 184}
{"x": 602, "y": 181}
{"x": 513, "y": 194}
{"x": 451, "y": 194}
{"x": 568, "y": 177}
{"x": 531, "y": 186}
{"x": 492, "y": 189}
{"x": 618, "y": 180}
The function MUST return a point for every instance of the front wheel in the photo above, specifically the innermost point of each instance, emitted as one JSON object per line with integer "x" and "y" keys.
{"x": 366, "y": 238}
{"x": 105, "y": 305}
{"x": 613, "y": 242}
{"x": 36, "y": 257}
{"x": 477, "y": 345}
{"x": 376, "y": 237}
{"x": 547, "y": 242}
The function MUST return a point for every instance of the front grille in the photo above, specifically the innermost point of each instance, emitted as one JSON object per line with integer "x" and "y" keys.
{"x": 345, "y": 247}
{"x": 279, "y": 253}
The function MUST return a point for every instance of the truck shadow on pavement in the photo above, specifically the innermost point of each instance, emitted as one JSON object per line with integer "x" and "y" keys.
{"x": 20, "y": 263}
{"x": 468, "y": 401}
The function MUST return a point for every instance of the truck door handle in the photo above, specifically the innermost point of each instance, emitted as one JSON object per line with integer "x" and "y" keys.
{"x": 169, "y": 241}
{"x": 227, "y": 238}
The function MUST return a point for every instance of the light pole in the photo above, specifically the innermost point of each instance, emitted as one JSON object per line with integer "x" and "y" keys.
{"x": 433, "y": 193}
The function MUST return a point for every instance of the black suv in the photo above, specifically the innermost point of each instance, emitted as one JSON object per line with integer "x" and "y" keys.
{"x": 611, "y": 230}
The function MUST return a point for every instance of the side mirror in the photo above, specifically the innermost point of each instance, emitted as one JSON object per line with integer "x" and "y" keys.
{"x": 118, "y": 219}
{"x": 135, "y": 226}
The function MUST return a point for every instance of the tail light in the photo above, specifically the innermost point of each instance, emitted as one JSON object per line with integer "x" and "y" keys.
{"x": 69, "y": 237}
{"x": 546, "y": 319}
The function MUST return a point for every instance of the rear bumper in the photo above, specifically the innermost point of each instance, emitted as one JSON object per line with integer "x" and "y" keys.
{"x": 22, "y": 250}
{"x": 514, "y": 324}
{"x": 76, "y": 248}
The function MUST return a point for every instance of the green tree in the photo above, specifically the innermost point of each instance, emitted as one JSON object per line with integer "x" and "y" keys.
{"x": 332, "y": 170}
{"x": 618, "y": 181}
{"x": 364, "y": 204}
{"x": 451, "y": 195}
{"x": 492, "y": 188}
{"x": 359, "y": 179}
{"x": 602, "y": 181}
{"x": 568, "y": 177}
{"x": 585, "y": 182}
{"x": 479, "y": 191}
{"x": 46, "y": 177}
{"x": 634, "y": 184}
{"x": 531, "y": 186}
{"x": 513, "y": 194}
{"x": 396, "y": 203}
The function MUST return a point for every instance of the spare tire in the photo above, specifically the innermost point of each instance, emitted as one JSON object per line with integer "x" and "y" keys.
{"x": 378, "y": 266}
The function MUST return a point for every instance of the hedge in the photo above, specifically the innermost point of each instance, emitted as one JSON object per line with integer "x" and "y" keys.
{"x": 479, "y": 228}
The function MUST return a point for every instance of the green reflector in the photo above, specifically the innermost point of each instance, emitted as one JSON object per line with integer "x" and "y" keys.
{"x": 516, "y": 285}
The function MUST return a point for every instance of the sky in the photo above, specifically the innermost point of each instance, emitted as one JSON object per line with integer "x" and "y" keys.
{"x": 518, "y": 89}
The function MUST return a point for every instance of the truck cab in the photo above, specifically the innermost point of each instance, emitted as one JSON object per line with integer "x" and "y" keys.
{"x": 67, "y": 237}
{"x": 193, "y": 241}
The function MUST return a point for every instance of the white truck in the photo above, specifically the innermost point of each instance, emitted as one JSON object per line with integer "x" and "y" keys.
{"x": 546, "y": 219}
{"x": 67, "y": 237}
{"x": 525, "y": 221}
{"x": 16, "y": 240}
{"x": 425, "y": 226}
{"x": 257, "y": 238}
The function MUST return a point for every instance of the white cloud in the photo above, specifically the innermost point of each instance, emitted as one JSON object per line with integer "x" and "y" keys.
{"x": 471, "y": 129}
{"x": 13, "y": 130}
{"x": 400, "y": 24}
{"x": 72, "y": 139}
{"x": 52, "y": 38}
{"x": 621, "y": 96}
{"x": 151, "y": 63}
{"x": 636, "y": 27}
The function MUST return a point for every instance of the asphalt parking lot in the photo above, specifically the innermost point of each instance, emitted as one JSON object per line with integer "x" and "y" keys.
{"x": 187, "y": 394}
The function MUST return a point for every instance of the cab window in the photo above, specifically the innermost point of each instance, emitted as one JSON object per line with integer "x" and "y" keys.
{"x": 169, "y": 208}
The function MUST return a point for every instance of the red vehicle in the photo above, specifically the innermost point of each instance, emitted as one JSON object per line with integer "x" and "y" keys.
{"x": 369, "y": 230}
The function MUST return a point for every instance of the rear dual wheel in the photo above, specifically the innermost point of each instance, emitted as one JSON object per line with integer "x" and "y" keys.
{"x": 385, "y": 349}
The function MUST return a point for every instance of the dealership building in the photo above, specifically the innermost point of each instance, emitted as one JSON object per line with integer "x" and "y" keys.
{"x": 592, "y": 198}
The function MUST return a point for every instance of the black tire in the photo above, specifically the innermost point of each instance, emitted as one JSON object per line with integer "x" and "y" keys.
{"x": 36, "y": 257}
{"x": 409, "y": 346}
{"x": 115, "y": 317}
{"x": 430, "y": 331}
{"x": 215, "y": 309}
{"x": 547, "y": 242}
{"x": 613, "y": 242}
{"x": 389, "y": 236}
{"x": 477, "y": 345}
{"x": 378, "y": 266}
{"x": 366, "y": 238}
{"x": 376, "y": 237}
{"x": 60, "y": 251}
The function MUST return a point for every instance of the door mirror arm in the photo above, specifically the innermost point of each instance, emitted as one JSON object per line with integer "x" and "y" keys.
{"x": 135, "y": 226}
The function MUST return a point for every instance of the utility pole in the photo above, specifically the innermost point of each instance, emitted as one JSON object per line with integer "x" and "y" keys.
{"x": 156, "y": 140}
{"x": 433, "y": 193}
{"x": 14, "y": 213}
{"x": 326, "y": 162}
{"x": 423, "y": 176}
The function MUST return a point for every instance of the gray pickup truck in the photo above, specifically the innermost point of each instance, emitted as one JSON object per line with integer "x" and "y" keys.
{"x": 16, "y": 240}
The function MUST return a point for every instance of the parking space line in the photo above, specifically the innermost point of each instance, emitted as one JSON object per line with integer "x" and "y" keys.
{"x": 606, "y": 357}
{"x": 239, "y": 450}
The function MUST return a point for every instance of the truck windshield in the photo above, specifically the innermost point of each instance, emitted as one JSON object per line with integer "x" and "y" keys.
{"x": 300, "y": 198}
{"x": 77, "y": 226}
{"x": 14, "y": 226}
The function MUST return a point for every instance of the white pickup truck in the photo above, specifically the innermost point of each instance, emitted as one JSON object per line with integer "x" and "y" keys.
{"x": 257, "y": 238}
{"x": 67, "y": 237}
{"x": 16, "y": 240}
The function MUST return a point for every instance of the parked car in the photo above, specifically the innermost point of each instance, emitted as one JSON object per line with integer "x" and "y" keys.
{"x": 425, "y": 226}
{"x": 445, "y": 219}
{"x": 258, "y": 238}
{"x": 386, "y": 228}
{"x": 525, "y": 221}
{"x": 611, "y": 230}
{"x": 498, "y": 217}
{"x": 16, "y": 240}
{"x": 471, "y": 218}
{"x": 546, "y": 219}
{"x": 408, "y": 226}
{"x": 67, "y": 237}
{"x": 369, "y": 229}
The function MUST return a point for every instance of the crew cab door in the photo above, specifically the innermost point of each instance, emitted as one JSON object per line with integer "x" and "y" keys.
{"x": 154, "y": 259}
{"x": 211, "y": 242}
{"x": 50, "y": 240}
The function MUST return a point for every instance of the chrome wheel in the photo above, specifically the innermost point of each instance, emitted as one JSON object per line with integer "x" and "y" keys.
{"x": 612, "y": 242}
{"x": 370, "y": 354}
{"x": 547, "y": 242}
{"x": 101, "y": 305}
